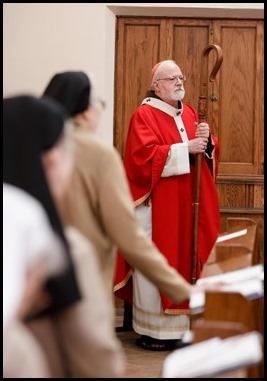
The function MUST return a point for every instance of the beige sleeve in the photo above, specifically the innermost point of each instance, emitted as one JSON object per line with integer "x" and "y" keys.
{"x": 87, "y": 328}
{"x": 23, "y": 356}
{"x": 122, "y": 226}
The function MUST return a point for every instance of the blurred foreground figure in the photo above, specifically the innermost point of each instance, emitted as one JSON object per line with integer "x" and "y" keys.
{"x": 74, "y": 329}
{"x": 31, "y": 253}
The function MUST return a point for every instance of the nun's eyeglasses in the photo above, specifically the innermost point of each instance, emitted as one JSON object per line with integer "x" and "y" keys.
{"x": 101, "y": 102}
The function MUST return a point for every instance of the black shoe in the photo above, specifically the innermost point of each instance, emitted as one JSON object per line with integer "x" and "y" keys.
{"x": 180, "y": 344}
{"x": 151, "y": 344}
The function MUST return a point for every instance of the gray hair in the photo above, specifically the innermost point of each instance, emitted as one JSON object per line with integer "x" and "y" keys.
{"x": 161, "y": 70}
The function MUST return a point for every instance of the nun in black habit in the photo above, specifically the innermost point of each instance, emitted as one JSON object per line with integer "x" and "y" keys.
{"x": 31, "y": 127}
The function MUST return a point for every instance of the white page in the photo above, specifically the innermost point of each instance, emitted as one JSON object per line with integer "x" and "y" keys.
{"x": 234, "y": 276}
{"x": 226, "y": 237}
{"x": 250, "y": 289}
{"x": 214, "y": 356}
{"x": 247, "y": 281}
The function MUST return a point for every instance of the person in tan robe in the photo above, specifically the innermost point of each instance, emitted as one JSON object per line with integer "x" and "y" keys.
{"x": 98, "y": 201}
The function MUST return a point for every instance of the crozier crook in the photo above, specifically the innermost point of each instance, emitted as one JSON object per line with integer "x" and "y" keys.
{"x": 202, "y": 113}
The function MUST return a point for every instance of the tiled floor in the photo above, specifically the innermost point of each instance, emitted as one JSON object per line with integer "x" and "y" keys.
{"x": 141, "y": 363}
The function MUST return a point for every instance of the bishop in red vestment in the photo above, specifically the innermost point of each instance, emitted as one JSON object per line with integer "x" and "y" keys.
{"x": 160, "y": 164}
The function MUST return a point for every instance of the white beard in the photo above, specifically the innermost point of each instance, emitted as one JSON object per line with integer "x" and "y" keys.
{"x": 180, "y": 94}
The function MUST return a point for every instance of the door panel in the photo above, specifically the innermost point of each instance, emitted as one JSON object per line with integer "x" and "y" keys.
{"x": 189, "y": 39}
{"x": 240, "y": 125}
{"x": 140, "y": 43}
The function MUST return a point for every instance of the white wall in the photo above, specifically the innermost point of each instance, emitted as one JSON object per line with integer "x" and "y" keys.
{"x": 41, "y": 39}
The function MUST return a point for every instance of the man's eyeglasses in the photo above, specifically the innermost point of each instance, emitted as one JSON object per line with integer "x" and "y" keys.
{"x": 182, "y": 78}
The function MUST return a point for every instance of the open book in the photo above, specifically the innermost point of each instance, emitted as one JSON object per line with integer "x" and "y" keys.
{"x": 214, "y": 356}
{"x": 247, "y": 281}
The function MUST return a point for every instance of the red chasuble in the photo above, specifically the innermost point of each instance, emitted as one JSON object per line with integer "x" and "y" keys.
{"x": 151, "y": 133}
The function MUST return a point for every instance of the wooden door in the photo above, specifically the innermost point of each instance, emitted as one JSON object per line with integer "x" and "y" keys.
{"x": 235, "y": 101}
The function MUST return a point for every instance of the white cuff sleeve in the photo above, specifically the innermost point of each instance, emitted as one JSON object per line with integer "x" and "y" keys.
{"x": 177, "y": 162}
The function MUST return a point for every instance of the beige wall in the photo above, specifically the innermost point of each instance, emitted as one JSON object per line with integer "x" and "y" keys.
{"x": 40, "y": 39}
